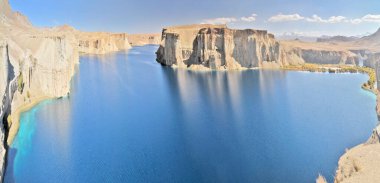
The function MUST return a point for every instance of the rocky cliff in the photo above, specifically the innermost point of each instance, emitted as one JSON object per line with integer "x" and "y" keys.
{"x": 144, "y": 39}
{"x": 298, "y": 52}
{"x": 96, "y": 42}
{"x": 101, "y": 43}
{"x": 38, "y": 63}
{"x": 218, "y": 47}
{"x": 7, "y": 89}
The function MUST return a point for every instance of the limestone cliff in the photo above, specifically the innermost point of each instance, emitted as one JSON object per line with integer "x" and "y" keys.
{"x": 144, "y": 39}
{"x": 96, "y": 42}
{"x": 38, "y": 63}
{"x": 101, "y": 43}
{"x": 218, "y": 47}
{"x": 297, "y": 52}
{"x": 7, "y": 89}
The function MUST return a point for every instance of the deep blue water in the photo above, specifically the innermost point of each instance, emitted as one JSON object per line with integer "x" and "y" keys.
{"x": 128, "y": 119}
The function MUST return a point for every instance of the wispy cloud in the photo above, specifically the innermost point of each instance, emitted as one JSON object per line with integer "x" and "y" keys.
{"x": 226, "y": 20}
{"x": 367, "y": 18}
{"x": 332, "y": 19}
{"x": 222, "y": 20}
{"x": 286, "y": 18}
{"x": 318, "y": 19}
{"x": 251, "y": 18}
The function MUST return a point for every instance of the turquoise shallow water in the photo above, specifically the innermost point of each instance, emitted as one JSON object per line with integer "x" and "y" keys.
{"x": 128, "y": 119}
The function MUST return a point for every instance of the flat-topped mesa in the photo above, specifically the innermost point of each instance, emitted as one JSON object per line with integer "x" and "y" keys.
{"x": 218, "y": 47}
{"x": 101, "y": 43}
{"x": 144, "y": 39}
{"x": 96, "y": 42}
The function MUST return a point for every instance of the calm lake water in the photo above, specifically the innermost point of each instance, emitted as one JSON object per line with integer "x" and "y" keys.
{"x": 128, "y": 119}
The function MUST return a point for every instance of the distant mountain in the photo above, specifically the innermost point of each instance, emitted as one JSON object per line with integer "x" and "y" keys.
{"x": 296, "y": 36}
{"x": 337, "y": 39}
{"x": 372, "y": 41}
{"x": 375, "y": 37}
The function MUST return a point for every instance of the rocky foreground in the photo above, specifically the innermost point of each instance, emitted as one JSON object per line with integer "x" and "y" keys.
{"x": 216, "y": 47}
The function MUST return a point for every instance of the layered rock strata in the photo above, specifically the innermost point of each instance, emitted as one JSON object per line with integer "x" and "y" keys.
{"x": 38, "y": 63}
{"x": 144, "y": 39}
{"x": 218, "y": 47}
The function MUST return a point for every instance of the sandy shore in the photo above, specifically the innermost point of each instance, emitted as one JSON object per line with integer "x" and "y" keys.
{"x": 16, "y": 116}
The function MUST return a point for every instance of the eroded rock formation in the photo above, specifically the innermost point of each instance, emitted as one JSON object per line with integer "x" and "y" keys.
{"x": 38, "y": 63}
{"x": 218, "y": 47}
{"x": 144, "y": 39}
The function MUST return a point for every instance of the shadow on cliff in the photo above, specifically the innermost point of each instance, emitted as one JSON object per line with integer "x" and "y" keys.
{"x": 9, "y": 176}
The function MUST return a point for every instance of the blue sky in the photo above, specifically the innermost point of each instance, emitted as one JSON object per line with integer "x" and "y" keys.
{"x": 308, "y": 17}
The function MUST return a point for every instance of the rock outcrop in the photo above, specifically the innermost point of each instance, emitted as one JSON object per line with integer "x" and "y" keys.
{"x": 218, "y": 47}
{"x": 96, "y": 42}
{"x": 298, "y": 52}
{"x": 144, "y": 39}
{"x": 101, "y": 43}
{"x": 7, "y": 89}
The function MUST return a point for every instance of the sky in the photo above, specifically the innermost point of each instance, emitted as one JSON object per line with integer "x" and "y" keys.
{"x": 301, "y": 17}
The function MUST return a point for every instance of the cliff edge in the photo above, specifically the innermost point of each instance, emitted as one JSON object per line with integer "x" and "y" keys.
{"x": 38, "y": 63}
{"x": 216, "y": 47}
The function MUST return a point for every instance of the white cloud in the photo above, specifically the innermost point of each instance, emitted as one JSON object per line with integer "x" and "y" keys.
{"x": 317, "y": 19}
{"x": 249, "y": 18}
{"x": 371, "y": 18}
{"x": 226, "y": 20}
{"x": 332, "y": 19}
{"x": 337, "y": 19}
{"x": 356, "y": 21}
{"x": 286, "y": 18}
{"x": 219, "y": 20}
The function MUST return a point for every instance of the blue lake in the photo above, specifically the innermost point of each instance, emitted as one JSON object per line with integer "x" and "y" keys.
{"x": 128, "y": 119}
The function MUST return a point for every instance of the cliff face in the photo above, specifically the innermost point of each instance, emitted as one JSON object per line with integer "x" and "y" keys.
{"x": 101, "y": 43}
{"x": 217, "y": 47}
{"x": 6, "y": 93}
{"x": 95, "y": 42}
{"x": 298, "y": 55}
{"x": 144, "y": 39}
{"x": 38, "y": 63}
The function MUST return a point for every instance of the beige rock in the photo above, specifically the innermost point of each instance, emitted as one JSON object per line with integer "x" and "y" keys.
{"x": 321, "y": 179}
{"x": 38, "y": 63}
{"x": 217, "y": 47}
{"x": 144, "y": 39}
{"x": 360, "y": 164}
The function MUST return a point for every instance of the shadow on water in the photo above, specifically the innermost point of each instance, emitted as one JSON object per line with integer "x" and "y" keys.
{"x": 9, "y": 175}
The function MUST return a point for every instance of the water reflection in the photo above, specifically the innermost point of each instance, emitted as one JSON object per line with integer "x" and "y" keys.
{"x": 129, "y": 119}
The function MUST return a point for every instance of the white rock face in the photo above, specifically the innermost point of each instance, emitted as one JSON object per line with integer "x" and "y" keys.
{"x": 144, "y": 39}
{"x": 36, "y": 64}
{"x": 217, "y": 47}
{"x": 5, "y": 79}
{"x": 297, "y": 52}
{"x": 101, "y": 43}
